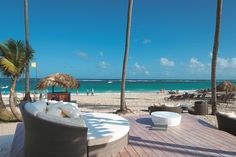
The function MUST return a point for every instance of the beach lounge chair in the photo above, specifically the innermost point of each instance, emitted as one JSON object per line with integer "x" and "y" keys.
{"x": 185, "y": 96}
{"x": 226, "y": 123}
{"x": 203, "y": 96}
{"x": 170, "y": 98}
{"x": 176, "y": 109}
{"x": 191, "y": 96}
{"x": 198, "y": 96}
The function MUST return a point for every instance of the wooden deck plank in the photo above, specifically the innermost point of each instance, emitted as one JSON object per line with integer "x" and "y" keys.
{"x": 149, "y": 146}
{"x": 191, "y": 138}
{"x": 207, "y": 136}
{"x": 191, "y": 143}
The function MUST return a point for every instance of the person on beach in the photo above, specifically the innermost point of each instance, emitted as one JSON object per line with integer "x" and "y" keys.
{"x": 92, "y": 91}
{"x": 87, "y": 92}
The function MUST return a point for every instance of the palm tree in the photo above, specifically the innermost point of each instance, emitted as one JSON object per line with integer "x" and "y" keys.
{"x": 28, "y": 57}
{"x": 214, "y": 57}
{"x": 12, "y": 64}
{"x": 123, "y": 106}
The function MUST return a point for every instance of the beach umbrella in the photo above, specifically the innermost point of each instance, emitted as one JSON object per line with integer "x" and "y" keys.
{"x": 226, "y": 86}
{"x": 59, "y": 79}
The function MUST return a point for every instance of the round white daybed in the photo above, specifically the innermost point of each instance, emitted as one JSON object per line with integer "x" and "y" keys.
{"x": 107, "y": 133}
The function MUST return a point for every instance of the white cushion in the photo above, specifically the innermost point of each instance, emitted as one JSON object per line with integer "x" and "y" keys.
{"x": 55, "y": 112}
{"x": 70, "y": 103}
{"x": 70, "y": 110}
{"x": 31, "y": 109}
{"x": 104, "y": 128}
{"x": 233, "y": 116}
{"x": 35, "y": 107}
{"x": 54, "y": 105}
{"x": 52, "y": 102}
{"x": 229, "y": 114}
{"x": 177, "y": 105}
{"x": 172, "y": 105}
{"x": 79, "y": 122}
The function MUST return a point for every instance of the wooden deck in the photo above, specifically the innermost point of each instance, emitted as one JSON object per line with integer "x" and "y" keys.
{"x": 193, "y": 137}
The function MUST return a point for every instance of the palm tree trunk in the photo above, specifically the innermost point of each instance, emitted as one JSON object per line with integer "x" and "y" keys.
{"x": 27, "y": 84}
{"x": 123, "y": 106}
{"x": 214, "y": 57}
{"x": 12, "y": 100}
{"x": 5, "y": 115}
{"x": 2, "y": 105}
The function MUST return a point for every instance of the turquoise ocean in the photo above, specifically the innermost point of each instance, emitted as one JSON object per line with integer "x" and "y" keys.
{"x": 113, "y": 85}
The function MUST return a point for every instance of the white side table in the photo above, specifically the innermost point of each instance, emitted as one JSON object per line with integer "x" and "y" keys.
{"x": 166, "y": 118}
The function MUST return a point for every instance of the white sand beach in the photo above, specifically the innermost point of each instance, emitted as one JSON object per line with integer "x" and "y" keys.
{"x": 108, "y": 103}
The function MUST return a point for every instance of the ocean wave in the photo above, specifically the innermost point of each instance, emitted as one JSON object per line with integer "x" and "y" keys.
{"x": 92, "y": 80}
{"x": 140, "y": 80}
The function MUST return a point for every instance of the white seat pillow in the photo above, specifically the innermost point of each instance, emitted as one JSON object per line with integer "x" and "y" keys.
{"x": 35, "y": 107}
{"x": 54, "y": 105}
{"x": 52, "y": 102}
{"x": 229, "y": 114}
{"x": 70, "y": 110}
{"x": 55, "y": 112}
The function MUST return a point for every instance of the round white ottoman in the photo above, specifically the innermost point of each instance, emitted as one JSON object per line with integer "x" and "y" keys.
{"x": 166, "y": 118}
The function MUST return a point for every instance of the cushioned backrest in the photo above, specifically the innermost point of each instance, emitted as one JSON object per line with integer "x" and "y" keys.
{"x": 229, "y": 114}
{"x": 35, "y": 107}
{"x": 79, "y": 122}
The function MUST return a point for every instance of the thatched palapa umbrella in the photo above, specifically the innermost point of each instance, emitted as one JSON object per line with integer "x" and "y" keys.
{"x": 59, "y": 79}
{"x": 226, "y": 86}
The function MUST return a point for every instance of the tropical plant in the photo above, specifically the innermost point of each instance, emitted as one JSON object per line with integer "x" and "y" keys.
{"x": 214, "y": 57}
{"x": 12, "y": 64}
{"x": 123, "y": 106}
{"x": 29, "y": 55}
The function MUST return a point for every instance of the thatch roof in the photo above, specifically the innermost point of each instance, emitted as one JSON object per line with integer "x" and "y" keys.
{"x": 58, "y": 79}
{"x": 226, "y": 86}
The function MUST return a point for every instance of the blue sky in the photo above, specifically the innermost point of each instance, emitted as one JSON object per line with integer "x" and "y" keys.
{"x": 86, "y": 38}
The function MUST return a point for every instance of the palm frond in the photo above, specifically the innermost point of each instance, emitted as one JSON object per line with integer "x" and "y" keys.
{"x": 7, "y": 66}
{"x": 29, "y": 54}
{"x": 11, "y": 44}
{"x": 13, "y": 57}
{"x": 4, "y": 51}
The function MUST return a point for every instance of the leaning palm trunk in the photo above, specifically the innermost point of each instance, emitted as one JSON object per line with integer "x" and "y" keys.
{"x": 12, "y": 101}
{"x": 27, "y": 85}
{"x": 5, "y": 115}
{"x": 214, "y": 57}
{"x": 2, "y": 105}
{"x": 123, "y": 106}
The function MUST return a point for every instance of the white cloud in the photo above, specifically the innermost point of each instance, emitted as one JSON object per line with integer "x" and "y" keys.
{"x": 101, "y": 53}
{"x": 103, "y": 65}
{"x": 140, "y": 69}
{"x": 147, "y": 41}
{"x": 210, "y": 55}
{"x": 226, "y": 63}
{"x": 81, "y": 54}
{"x": 167, "y": 62}
{"x": 197, "y": 65}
